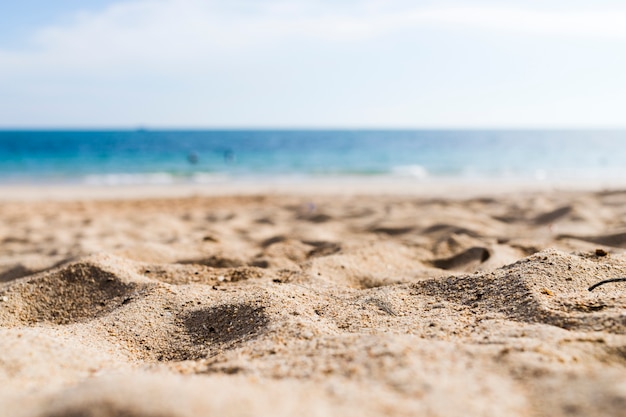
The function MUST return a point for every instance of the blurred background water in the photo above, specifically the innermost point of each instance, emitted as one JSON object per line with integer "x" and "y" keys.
{"x": 171, "y": 157}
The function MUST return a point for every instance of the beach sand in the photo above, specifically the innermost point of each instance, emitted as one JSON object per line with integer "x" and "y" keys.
{"x": 313, "y": 304}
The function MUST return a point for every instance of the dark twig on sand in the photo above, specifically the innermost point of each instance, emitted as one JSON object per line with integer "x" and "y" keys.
{"x": 606, "y": 281}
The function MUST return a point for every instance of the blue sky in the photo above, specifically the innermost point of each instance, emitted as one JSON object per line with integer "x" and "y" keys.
{"x": 312, "y": 63}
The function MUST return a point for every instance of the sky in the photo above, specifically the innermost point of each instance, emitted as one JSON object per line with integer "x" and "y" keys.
{"x": 312, "y": 64}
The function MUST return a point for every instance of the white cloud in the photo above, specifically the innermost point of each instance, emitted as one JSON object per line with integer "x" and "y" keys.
{"x": 599, "y": 24}
{"x": 164, "y": 34}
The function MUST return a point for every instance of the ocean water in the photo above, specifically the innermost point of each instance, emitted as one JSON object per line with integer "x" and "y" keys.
{"x": 172, "y": 157}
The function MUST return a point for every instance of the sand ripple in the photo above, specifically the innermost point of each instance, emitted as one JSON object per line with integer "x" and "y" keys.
{"x": 314, "y": 306}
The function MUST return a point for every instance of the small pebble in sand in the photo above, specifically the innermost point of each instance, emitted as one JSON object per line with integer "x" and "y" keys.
{"x": 4, "y": 298}
{"x": 547, "y": 292}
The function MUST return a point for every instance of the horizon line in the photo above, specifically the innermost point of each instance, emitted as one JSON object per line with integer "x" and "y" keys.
{"x": 147, "y": 128}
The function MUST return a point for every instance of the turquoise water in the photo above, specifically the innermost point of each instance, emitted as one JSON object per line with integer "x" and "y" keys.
{"x": 164, "y": 157}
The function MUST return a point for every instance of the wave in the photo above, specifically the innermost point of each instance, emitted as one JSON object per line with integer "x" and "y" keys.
{"x": 152, "y": 178}
{"x": 415, "y": 171}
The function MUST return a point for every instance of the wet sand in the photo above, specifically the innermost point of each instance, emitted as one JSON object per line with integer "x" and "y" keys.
{"x": 310, "y": 303}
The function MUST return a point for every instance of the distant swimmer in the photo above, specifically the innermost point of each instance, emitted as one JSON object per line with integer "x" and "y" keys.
{"x": 229, "y": 156}
{"x": 193, "y": 158}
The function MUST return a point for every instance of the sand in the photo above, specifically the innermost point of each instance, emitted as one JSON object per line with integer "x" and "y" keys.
{"x": 314, "y": 305}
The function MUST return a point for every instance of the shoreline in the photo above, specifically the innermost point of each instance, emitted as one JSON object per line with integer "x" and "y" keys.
{"x": 456, "y": 188}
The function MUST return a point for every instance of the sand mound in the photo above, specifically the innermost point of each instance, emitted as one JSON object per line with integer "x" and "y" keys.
{"x": 549, "y": 287}
{"x": 471, "y": 257}
{"x": 78, "y": 291}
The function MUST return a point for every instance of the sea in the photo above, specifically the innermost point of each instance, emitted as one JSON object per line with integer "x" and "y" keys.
{"x": 145, "y": 156}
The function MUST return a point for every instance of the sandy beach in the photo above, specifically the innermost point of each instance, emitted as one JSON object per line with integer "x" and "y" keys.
{"x": 289, "y": 301}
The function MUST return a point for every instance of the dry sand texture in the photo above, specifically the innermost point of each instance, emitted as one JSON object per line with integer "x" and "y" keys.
{"x": 314, "y": 306}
